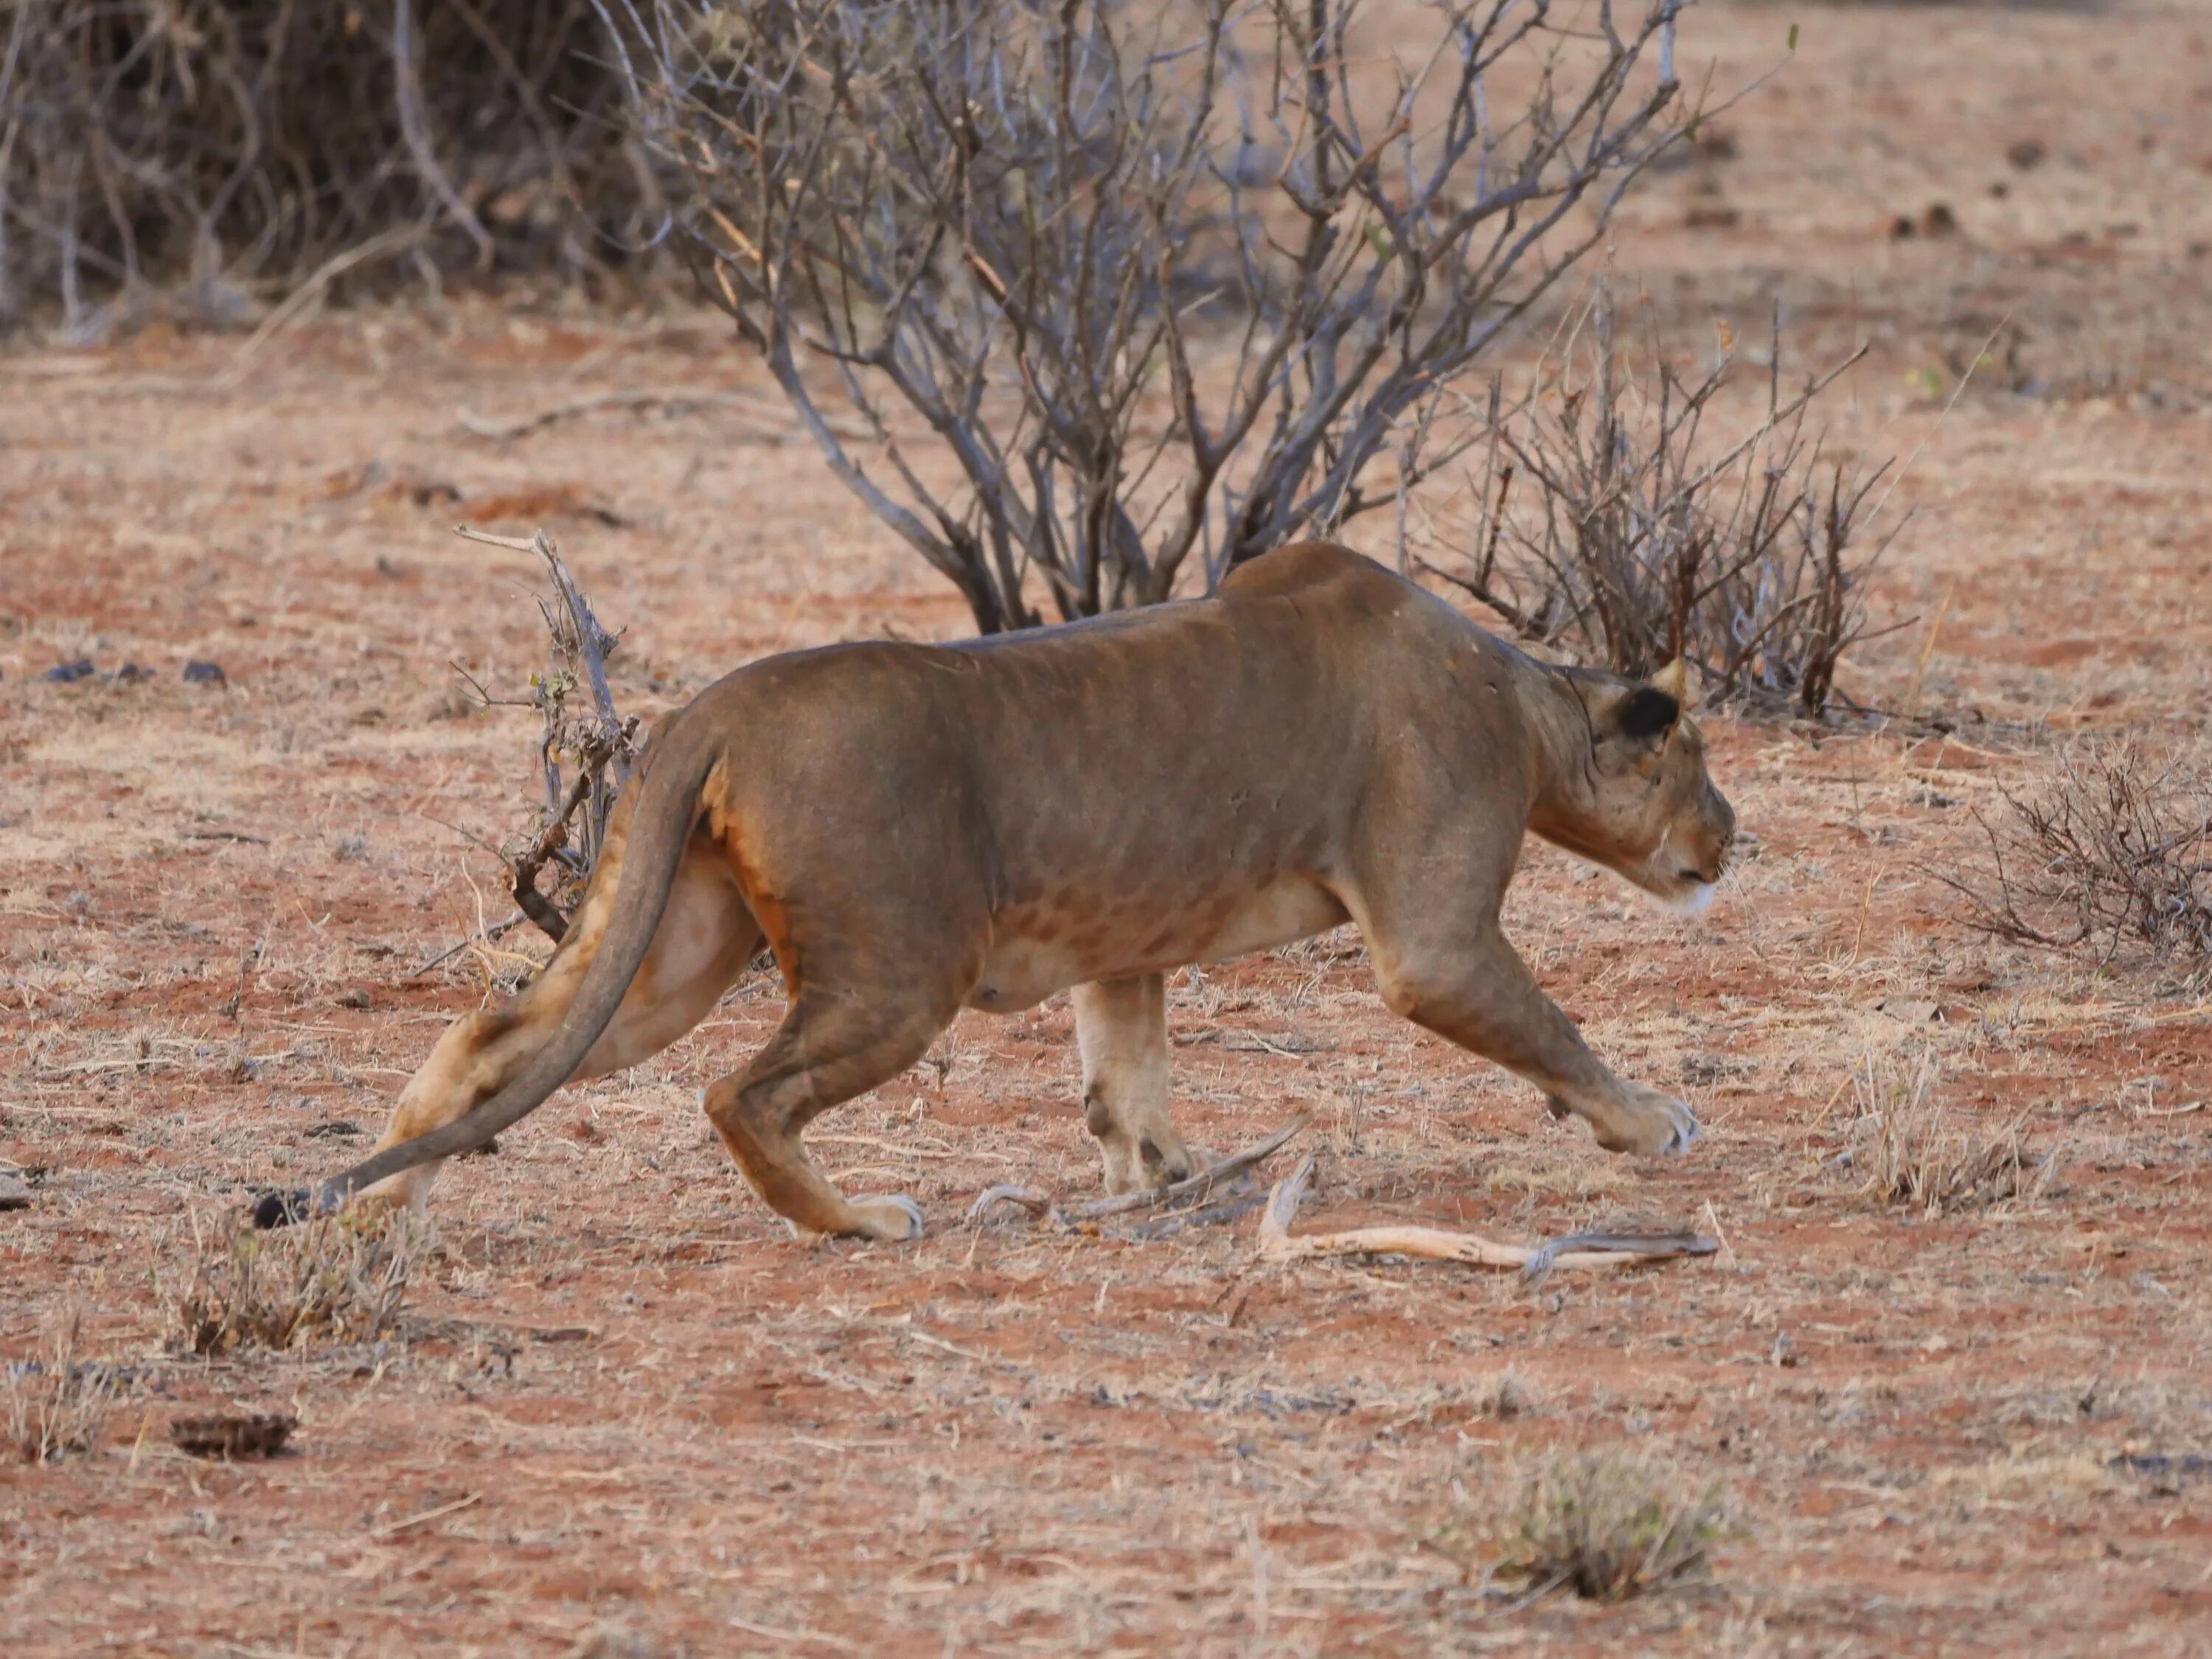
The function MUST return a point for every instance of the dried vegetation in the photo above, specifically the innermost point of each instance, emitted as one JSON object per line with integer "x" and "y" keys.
{"x": 335, "y": 1279}
{"x": 1024, "y": 224}
{"x": 205, "y": 154}
{"x": 58, "y": 1401}
{"x": 1608, "y": 1525}
{"x": 1611, "y": 529}
{"x": 1907, "y": 1149}
{"x": 2111, "y": 858}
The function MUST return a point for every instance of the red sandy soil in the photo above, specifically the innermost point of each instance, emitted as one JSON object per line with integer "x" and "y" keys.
{"x": 624, "y": 1412}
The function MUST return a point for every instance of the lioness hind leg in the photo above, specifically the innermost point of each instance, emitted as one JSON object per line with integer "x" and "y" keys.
{"x": 829, "y": 1049}
{"x": 1484, "y": 999}
{"x": 1121, "y": 1031}
{"x": 706, "y": 937}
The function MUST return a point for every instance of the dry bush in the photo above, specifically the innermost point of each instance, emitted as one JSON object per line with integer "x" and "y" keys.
{"x": 1643, "y": 542}
{"x": 335, "y": 1279}
{"x": 582, "y": 731}
{"x": 58, "y": 1401}
{"x": 2111, "y": 858}
{"x": 1608, "y": 1525}
{"x": 1163, "y": 283}
{"x": 1907, "y": 1152}
{"x": 226, "y": 145}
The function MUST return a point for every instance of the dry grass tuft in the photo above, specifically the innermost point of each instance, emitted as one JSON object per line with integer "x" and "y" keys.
{"x": 1910, "y": 1154}
{"x": 2113, "y": 857}
{"x": 1608, "y": 1525}
{"x": 57, "y": 1402}
{"x": 339, "y": 1278}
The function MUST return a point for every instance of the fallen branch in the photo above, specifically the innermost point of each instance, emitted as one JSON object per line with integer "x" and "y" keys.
{"x": 674, "y": 402}
{"x": 1585, "y": 1249}
{"x": 1200, "y": 1187}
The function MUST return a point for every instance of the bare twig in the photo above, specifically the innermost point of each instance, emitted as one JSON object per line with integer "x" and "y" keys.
{"x": 1585, "y": 1249}
{"x": 1041, "y": 1205}
{"x": 498, "y": 929}
{"x": 671, "y": 401}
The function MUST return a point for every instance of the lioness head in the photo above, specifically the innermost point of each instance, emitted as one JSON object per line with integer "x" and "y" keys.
{"x": 1635, "y": 798}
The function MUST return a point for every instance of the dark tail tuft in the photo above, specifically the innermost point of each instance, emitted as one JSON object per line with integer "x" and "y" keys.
{"x": 282, "y": 1209}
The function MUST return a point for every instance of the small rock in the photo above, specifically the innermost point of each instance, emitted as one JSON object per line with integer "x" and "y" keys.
{"x": 206, "y": 673}
{"x": 2026, "y": 154}
{"x": 1939, "y": 220}
{"x": 63, "y": 674}
{"x": 356, "y": 998}
{"x": 14, "y": 1194}
{"x": 130, "y": 673}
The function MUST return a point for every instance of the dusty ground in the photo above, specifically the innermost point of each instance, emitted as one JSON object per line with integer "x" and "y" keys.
{"x": 626, "y": 1414}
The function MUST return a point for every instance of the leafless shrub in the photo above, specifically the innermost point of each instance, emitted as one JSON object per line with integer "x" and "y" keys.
{"x": 1608, "y": 1526}
{"x": 1642, "y": 545}
{"x": 2112, "y": 857}
{"x": 1907, "y": 1152}
{"x": 582, "y": 731}
{"x": 335, "y": 1278}
{"x": 58, "y": 1401}
{"x": 229, "y": 144}
{"x": 1162, "y": 283}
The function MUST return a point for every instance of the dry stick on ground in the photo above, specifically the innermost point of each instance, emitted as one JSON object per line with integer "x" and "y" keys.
{"x": 675, "y": 402}
{"x": 602, "y": 744}
{"x": 1200, "y": 1186}
{"x": 486, "y": 936}
{"x": 1585, "y": 1249}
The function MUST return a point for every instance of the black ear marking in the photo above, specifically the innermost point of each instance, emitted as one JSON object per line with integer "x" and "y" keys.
{"x": 1646, "y": 713}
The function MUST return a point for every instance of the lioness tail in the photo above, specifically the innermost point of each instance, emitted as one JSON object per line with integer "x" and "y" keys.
{"x": 659, "y": 827}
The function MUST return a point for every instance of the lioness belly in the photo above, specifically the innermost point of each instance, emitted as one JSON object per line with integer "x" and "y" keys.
{"x": 1040, "y": 951}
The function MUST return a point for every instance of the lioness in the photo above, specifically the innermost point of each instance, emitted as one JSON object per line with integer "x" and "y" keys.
{"x": 914, "y": 829}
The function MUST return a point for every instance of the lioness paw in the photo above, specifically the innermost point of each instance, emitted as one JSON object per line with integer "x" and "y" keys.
{"x": 1649, "y": 1123}
{"x": 892, "y": 1216}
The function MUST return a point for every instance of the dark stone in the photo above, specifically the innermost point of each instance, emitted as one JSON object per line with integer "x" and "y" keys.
{"x": 63, "y": 674}
{"x": 206, "y": 673}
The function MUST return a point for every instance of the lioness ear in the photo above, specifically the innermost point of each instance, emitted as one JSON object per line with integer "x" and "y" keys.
{"x": 1679, "y": 681}
{"x": 1647, "y": 712}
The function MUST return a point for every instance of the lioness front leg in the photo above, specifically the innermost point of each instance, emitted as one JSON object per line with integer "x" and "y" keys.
{"x": 1484, "y": 998}
{"x": 1122, "y": 1031}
